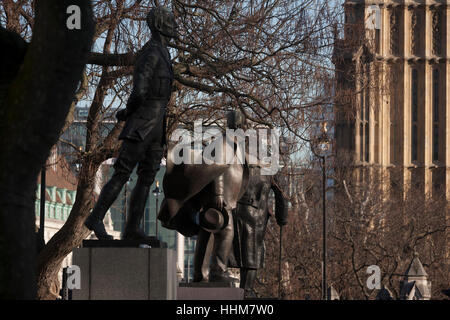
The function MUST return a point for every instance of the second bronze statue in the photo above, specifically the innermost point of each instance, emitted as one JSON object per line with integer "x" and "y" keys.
{"x": 199, "y": 200}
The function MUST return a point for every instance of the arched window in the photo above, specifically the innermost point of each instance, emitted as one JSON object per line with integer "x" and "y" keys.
{"x": 414, "y": 114}
{"x": 394, "y": 72}
{"x": 435, "y": 114}
{"x": 361, "y": 141}
{"x": 366, "y": 125}
{"x": 364, "y": 132}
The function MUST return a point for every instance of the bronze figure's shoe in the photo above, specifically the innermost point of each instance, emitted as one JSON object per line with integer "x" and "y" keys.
{"x": 223, "y": 277}
{"x": 250, "y": 294}
{"x": 199, "y": 278}
{"x": 96, "y": 225}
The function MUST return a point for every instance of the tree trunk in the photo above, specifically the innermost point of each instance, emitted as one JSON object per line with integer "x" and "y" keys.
{"x": 73, "y": 232}
{"x": 68, "y": 237}
{"x": 32, "y": 113}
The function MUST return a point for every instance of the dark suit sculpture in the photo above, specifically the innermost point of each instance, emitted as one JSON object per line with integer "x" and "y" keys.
{"x": 144, "y": 132}
{"x": 250, "y": 218}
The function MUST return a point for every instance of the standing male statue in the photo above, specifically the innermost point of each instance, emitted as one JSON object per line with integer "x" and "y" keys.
{"x": 199, "y": 200}
{"x": 144, "y": 132}
{"x": 250, "y": 217}
{"x": 209, "y": 262}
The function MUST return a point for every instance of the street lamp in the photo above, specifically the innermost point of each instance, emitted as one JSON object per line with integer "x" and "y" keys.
{"x": 79, "y": 160}
{"x": 320, "y": 147}
{"x": 156, "y": 192}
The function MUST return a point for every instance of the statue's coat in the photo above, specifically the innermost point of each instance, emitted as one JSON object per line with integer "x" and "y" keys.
{"x": 187, "y": 188}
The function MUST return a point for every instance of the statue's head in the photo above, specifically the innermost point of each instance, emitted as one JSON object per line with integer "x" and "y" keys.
{"x": 161, "y": 20}
{"x": 236, "y": 120}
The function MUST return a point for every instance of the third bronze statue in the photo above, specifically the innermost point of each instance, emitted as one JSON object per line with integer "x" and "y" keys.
{"x": 250, "y": 218}
{"x": 144, "y": 132}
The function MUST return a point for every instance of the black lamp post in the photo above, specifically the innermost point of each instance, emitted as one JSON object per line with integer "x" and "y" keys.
{"x": 320, "y": 147}
{"x": 125, "y": 205}
{"x": 156, "y": 192}
{"x": 42, "y": 206}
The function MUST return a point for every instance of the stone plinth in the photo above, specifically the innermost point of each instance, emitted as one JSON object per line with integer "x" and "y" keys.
{"x": 151, "y": 242}
{"x": 209, "y": 291}
{"x": 207, "y": 284}
{"x": 126, "y": 273}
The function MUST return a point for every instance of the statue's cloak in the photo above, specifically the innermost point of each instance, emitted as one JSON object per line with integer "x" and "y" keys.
{"x": 188, "y": 186}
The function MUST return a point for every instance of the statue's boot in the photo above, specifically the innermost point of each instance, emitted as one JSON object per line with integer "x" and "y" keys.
{"x": 248, "y": 277}
{"x": 223, "y": 241}
{"x": 138, "y": 200}
{"x": 107, "y": 196}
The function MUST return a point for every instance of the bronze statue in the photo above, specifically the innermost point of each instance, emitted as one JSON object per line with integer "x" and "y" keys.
{"x": 250, "y": 218}
{"x": 144, "y": 132}
{"x": 199, "y": 200}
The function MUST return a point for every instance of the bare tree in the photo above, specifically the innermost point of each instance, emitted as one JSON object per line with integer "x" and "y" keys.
{"x": 35, "y": 95}
{"x": 266, "y": 57}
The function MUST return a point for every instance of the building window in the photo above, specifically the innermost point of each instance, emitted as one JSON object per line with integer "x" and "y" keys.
{"x": 366, "y": 124}
{"x": 366, "y": 144}
{"x": 361, "y": 142}
{"x": 437, "y": 32}
{"x": 364, "y": 133}
{"x": 394, "y": 34}
{"x": 415, "y": 32}
{"x": 364, "y": 137}
{"x": 393, "y": 128}
{"x": 393, "y": 85}
{"x": 414, "y": 114}
{"x": 377, "y": 41}
{"x": 435, "y": 115}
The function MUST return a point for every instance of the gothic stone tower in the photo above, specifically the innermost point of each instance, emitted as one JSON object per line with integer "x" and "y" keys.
{"x": 393, "y": 93}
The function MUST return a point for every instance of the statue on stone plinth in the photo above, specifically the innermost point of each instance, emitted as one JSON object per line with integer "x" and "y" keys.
{"x": 144, "y": 132}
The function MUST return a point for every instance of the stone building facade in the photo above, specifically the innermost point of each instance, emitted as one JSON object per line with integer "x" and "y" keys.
{"x": 400, "y": 74}
{"x": 392, "y": 104}
{"x": 393, "y": 94}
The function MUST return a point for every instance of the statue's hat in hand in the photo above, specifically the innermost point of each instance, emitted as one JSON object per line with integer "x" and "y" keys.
{"x": 212, "y": 220}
